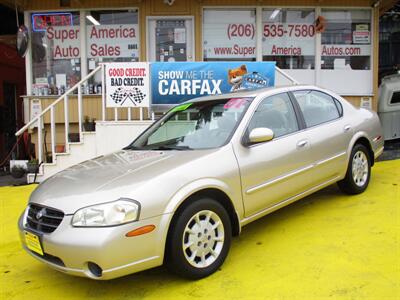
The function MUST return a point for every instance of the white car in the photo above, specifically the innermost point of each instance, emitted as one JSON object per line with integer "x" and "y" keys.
{"x": 191, "y": 181}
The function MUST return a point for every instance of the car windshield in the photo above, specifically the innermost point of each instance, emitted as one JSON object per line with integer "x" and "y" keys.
{"x": 194, "y": 125}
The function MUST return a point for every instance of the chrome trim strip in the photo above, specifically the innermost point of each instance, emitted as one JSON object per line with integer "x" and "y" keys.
{"x": 295, "y": 172}
{"x": 277, "y": 179}
{"x": 286, "y": 202}
{"x": 321, "y": 162}
{"x": 131, "y": 264}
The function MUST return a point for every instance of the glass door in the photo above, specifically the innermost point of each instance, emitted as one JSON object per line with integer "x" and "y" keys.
{"x": 170, "y": 39}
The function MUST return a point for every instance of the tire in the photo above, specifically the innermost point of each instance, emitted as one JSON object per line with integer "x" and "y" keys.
{"x": 199, "y": 239}
{"x": 358, "y": 171}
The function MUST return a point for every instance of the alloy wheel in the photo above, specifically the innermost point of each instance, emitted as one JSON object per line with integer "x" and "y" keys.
{"x": 203, "y": 239}
{"x": 360, "y": 168}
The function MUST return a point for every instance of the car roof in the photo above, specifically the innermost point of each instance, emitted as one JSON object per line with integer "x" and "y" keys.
{"x": 253, "y": 93}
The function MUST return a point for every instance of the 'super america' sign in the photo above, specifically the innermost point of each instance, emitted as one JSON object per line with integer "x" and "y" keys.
{"x": 106, "y": 41}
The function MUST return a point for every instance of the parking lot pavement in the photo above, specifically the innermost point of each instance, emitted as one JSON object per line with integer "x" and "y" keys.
{"x": 328, "y": 245}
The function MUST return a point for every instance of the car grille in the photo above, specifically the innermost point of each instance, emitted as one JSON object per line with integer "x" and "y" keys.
{"x": 43, "y": 219}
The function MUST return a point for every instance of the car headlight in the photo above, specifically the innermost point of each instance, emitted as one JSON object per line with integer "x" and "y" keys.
{"x": 118, "y": 212}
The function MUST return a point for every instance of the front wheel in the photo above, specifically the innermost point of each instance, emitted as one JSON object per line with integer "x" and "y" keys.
{"x": 199, "y": 239}
{"x": 358, "y": 171}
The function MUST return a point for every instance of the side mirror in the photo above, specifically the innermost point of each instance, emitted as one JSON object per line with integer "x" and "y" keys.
{"x": 259, "y": 135}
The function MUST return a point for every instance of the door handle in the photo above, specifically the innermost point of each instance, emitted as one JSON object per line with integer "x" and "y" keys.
{"x": 347, "y": 128}
{"x": 302, "y": 143}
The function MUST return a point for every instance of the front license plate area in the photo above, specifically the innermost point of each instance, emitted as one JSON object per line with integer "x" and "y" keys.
{"x": 33, "y": 243}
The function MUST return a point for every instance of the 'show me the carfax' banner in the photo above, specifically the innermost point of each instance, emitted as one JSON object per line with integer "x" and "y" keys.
{"x": 173, "y": 83}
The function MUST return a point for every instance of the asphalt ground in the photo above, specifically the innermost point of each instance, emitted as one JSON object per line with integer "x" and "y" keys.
{"x": 326, "y": 246}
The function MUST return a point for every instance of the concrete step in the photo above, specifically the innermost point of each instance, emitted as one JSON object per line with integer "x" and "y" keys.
{"x": 76, "y": 153}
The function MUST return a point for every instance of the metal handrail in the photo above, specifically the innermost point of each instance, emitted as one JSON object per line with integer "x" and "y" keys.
{"x": 284, "y": 74}
{"x": 35, "y": 119}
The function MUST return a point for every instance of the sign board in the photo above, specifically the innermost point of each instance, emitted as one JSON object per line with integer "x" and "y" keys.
{"x": 36, "y": 109}
{"x": 173, "y": 83}
{"x": 361, "y": 37}
{"x": 105, "y": 41}
{"x": 346, "y": 50}
{"x": 366, "y": 102}
{"x": 362, "y": 27}
{"x": 41, "y": 21}
{"x": 64, "y": 40}
{"x": 229, "y": 34}
{"x": 127, "y": 84}
{"x": 113, "y": 41}
{"x": 288, "y": 39}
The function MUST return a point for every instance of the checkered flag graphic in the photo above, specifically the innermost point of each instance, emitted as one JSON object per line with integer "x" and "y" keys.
{"x": 135, "y": 95}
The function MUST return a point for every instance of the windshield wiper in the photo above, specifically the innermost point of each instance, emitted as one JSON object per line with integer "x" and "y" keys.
{"x": 132, "y": 148}
{"x": 170, "y": 147}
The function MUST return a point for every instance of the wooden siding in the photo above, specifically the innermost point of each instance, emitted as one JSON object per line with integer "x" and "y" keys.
{"x": 183, "y": 6}
{"x": 91, "y": 108}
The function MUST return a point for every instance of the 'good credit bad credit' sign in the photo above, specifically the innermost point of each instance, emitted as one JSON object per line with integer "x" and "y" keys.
{"x": 127, "y": 85}
{"x": 173, "y": 83}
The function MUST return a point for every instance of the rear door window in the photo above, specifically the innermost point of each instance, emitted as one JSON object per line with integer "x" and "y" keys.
{"x": 317, "y": 107}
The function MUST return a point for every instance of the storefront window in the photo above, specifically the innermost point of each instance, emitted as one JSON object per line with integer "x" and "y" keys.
{"x": 112, "y": 36}
{"x": 56, "y": 63}
{"x": 229, "y": 34}
{"x": 346, "y": 40}
{"x": 289, "y": 37}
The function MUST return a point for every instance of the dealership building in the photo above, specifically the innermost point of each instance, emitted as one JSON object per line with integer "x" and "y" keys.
{"x": 329, "y": 43}
{"x": 70, "y": 38}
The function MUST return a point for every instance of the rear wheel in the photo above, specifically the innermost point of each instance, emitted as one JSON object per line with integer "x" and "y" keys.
{"x": 199, "y": 240}
{"x": 358, "y": 171}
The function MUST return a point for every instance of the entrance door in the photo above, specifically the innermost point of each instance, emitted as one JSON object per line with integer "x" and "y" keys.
{"x": 170, "y": 39}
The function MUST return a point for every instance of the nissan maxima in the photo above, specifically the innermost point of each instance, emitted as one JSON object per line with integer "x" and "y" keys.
{"x": 181, "y": 190}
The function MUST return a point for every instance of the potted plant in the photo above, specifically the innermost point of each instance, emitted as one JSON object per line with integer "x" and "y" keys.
{"x": 17, "y": 171}
{"x": 60, "y": 148}
{"x": 73, "y": 137}
{"x": 93, "y": 124}
{"x": 89, "y": 125}
{"x": 86, "y": 123}
{"x": 32, "y": 166}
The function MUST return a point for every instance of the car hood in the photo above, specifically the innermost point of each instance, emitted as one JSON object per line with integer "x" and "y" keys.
{"x": 102, "y": 178}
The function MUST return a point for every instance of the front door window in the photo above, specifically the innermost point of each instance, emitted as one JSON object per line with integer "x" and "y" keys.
{"x": 276, "y": 113}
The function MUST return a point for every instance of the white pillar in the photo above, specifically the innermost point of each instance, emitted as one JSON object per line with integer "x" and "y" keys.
{"x": 28, "y": 56}
{"x": 259, "y": 33}
{"x": 82, "y": 35}
{"x": 317, "y": 51}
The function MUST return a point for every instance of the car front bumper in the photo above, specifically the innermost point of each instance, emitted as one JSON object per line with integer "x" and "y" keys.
{"x": 70, "y": 249}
